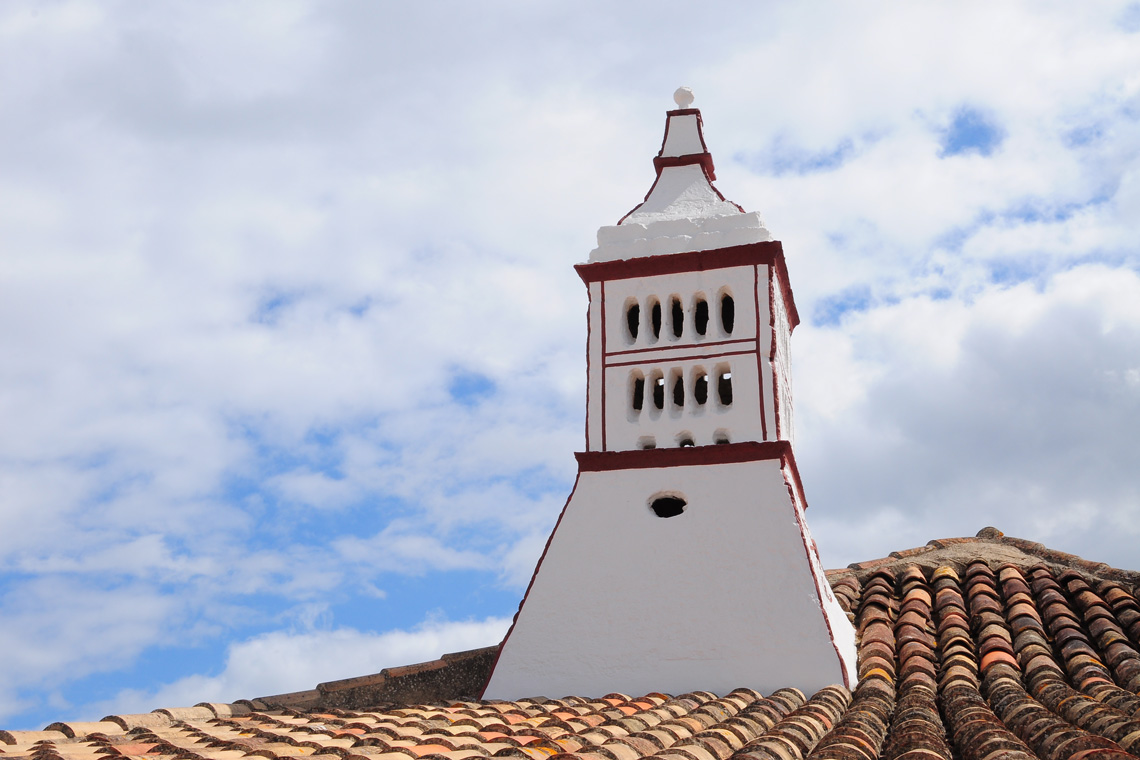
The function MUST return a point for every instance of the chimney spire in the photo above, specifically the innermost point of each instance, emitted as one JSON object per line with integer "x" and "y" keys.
{"x": 683, "y": 210}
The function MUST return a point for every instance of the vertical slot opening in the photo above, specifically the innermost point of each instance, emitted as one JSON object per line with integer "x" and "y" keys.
{"x": 659, "y": 392}
{"x": 633, "y": 319}
{"x": 677, "y": 316}
{"x": 727, "y": 313}
{"x": 679, "y": 391}
{"x": 655, "y": 318}
{"x": 637, "y": 401}
{"x": 701, "y": 316}
{"x": 701, "y": 389}
{"x": 724, "y": 388}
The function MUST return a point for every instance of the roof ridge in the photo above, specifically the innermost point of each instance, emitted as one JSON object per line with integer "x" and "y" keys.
{"x": 946, "y": 551}
{"x": 453, "y": 674}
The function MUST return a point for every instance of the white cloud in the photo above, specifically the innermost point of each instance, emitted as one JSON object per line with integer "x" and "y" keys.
{"x": 1029, "y": 425}
{"x": 55, "y": 631}
{"x": 279, "y": 662}
{"x": 397, "y": 549}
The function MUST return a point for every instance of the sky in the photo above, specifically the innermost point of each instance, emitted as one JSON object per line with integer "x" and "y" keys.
{"x": 294, "y": 354}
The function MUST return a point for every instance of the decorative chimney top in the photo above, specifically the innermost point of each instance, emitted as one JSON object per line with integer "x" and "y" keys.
{"x": 683, "y": 211}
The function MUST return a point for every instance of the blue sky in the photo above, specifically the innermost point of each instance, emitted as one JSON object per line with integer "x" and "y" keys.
{"x": 294, "y": 350}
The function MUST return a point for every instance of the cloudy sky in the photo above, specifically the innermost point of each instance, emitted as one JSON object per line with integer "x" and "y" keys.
{"x": 293, "y": 353}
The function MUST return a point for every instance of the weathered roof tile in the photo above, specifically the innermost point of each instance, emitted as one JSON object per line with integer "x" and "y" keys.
{"x": 985, "y": 648}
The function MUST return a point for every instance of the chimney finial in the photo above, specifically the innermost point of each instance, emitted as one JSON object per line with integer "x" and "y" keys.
{"x": 683, "y": 97}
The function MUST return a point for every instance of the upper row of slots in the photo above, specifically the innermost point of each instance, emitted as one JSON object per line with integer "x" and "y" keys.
{"x": 676, "y": 327}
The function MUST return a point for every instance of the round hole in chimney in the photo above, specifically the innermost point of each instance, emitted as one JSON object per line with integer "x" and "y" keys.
{"x": 667, "y": 505}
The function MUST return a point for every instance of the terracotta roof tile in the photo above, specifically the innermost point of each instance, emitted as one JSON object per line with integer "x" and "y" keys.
{"x": 984, "y": 648}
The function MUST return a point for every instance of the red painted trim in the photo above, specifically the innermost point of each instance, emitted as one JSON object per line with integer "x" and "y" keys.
{"x": 700, "y": 123}
{"x": 790, "y": 463}
{"x": 749, "y": 254}
{"x": 788, "y": 467}
{"x": 700, "y": 130}
{"x": 630, "y": 213}
{"x": 640, "y": 459}
{"x": 680, "y": 346}
{"x": 776, "y": 401}
{"x": 697, "y": 358}
{"x": 759, "y": 358}
{"x": 605, "y": 330}
{"x": 530, "y": 585}
{"x": 684, "y": 112}
{"x": 705, "y": 161}
{"x": 668, "y": 122}
{"x": 589, "y": 332}
{"x": 786, "y": 291}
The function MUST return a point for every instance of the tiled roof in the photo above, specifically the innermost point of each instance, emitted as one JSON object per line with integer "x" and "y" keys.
{"x": 987, "y": 648}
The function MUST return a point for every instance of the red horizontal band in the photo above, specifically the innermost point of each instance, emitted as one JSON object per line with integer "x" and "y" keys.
{"x": 666, "y": 346}
{"x": 725, "y": 453}
{"x": 749, "y": 254}
{"x": 704, "y": 159}
{"x": 678, "y": 359}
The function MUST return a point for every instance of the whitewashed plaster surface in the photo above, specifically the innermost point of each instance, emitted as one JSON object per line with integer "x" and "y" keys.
{"x": 683, "y": 211}
{"x": 691, "y": 354}
{"x": 682, "y": 136}
{"x": 718, "y": 597}
{"x": 782, "y": 366}
{"x": 696, "y": 219}
{"x": 595, "y": 371}
{"x": 682, "y": 192}
{"x": 757, "y": 376}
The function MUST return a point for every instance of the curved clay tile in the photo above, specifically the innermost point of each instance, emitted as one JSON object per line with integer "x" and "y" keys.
{"x": 965, "y": 660}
